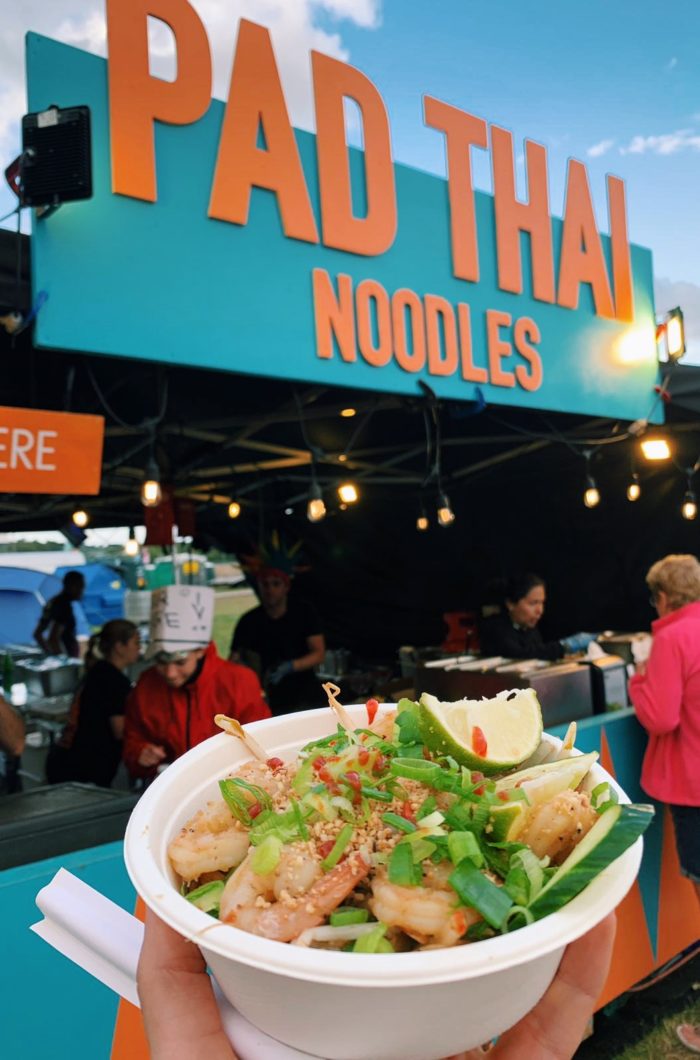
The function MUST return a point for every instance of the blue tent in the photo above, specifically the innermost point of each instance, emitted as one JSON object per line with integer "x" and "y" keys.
{"x": 23, "y": 594}
{"x": 104, "y": 592}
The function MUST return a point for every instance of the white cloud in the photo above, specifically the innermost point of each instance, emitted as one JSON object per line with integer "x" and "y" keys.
{"x": 599, "y": 149}
{"x": 665, "y": 144}
{"x": 671, "y": 293}
{"x": 293, "y": 25}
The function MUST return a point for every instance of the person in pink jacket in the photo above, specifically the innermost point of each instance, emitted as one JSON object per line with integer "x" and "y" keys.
{"x": 665, "y": 692}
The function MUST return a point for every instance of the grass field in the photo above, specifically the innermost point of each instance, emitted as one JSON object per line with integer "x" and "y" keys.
{"x": 228, "y": 608}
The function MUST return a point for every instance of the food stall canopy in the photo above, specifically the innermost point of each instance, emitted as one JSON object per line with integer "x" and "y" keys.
{"x": 227, "y": 239}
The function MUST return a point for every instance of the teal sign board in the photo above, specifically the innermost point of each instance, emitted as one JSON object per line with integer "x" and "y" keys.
{"x": 164, "y": 281}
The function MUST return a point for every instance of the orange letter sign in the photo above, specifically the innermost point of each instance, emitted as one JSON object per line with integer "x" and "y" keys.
{"x": 619, "y": 243}
{"x": 461, "y": 131}
{"x": 50, "y": 452}
{"x": 256, "y": 100}
{"x": 136, "y": 99}
{"x": 582, "y": 258}
{"x": 514, "y": 217}
{"x": 374, "y": 233}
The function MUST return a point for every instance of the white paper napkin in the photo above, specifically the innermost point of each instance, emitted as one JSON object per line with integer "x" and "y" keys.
{"x": 103, "y": 939}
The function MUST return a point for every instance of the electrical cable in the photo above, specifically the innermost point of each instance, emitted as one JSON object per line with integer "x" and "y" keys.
{"x": 147, "y": 423}
{"x": 8, "y": 215}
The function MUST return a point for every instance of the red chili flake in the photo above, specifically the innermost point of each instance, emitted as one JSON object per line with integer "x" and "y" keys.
{"x": 325, "y": 848}
{"x": 255, "y": 809}
{"x": 476, "y": 775}
{"x": 363, "y": 756}
{"x": 318, "y": 763}
{"x": 503, "y": 796}
{"x": 372, "y": 708}
{"x": 353, "y": 779}
{"x": 333, "y": 758}
{"x": 479, "y": 745}
{"x": 275, "y": 763}
{"x": 479, "y": 790}
{"x": 407, "y": 812}
{"x": 379, "y": 765}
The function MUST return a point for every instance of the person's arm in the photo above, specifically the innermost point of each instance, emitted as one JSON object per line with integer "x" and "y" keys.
{"x": 116, "y": 724}
{"x": 38, "y": 635}
{"x": 12, "y": 730}
{"x": 657, "y": 694}
{"x": 54, "y": 638}
{"x": 316, "y": 644}
{"x": 140, "y": 753}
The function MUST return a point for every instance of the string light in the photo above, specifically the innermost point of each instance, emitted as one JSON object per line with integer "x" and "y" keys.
{"x": 151, "y": 493}
{"x": 80, "y": 518}
{"x": 315, "y": 509}
{"x": 689, "y": 508}
{"x": 348, "y": 493}
{"x": 131, "y": 548}
{"x": 422, "y": 523}
{"x": 656, "y": 448}
{"x": 634, "y": 489}
{"x": 234, "y": 510}
{"x": 444, "y": 512}
{"x": 348, "y": 413}
{"x": 591, "y": 494}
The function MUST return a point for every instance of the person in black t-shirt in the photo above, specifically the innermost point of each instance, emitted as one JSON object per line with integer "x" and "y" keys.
{"x": 89, "y": 748}
{"x": 282, "y": 640}
{"x": 514, "y": 634}
{"x": 55, "y": 631}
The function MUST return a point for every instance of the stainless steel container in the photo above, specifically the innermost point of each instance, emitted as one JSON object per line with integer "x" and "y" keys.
{"x": 51, "y": 676}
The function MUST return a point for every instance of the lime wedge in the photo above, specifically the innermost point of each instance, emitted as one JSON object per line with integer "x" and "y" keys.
{"x": 506, "y": 821}
{"x": 490, "y": 735}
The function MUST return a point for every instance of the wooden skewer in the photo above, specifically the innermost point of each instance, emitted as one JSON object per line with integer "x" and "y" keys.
{"x": 332, "y": 691}
{"x": 234, "y": 728}
{"x": 569, "y": 737}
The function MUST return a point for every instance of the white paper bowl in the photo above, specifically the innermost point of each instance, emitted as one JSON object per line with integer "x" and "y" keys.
{"x": 347, "y": 1006}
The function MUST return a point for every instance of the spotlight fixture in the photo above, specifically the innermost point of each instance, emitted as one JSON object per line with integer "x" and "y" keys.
{"x": 634, "y": 489}
{"x": 655, "y": 448}
{"x": 445, "y": 514}
{"x": 689, "y": 508}
{"x": 315, "y": 509}
{"x": 234, "y": 510}
{"x": 348, "y": 413}
{"x": 672, "y": 328}
{"x": 348, "y": 493}
{"x": 131, "y": 548}
{"x": 80, "y": 518}
{"x": 151, "y": 493}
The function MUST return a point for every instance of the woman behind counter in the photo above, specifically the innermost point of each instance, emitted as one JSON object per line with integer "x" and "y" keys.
{"x": 514, "y": 633}
{"x": 89, "y": 748}
{"x": 665, "y": 692}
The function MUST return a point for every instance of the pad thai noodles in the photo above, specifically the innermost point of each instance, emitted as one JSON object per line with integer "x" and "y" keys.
{"x": 372, "y": 842}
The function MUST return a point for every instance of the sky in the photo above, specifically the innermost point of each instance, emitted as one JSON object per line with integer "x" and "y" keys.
{"x": 609, "y": 83}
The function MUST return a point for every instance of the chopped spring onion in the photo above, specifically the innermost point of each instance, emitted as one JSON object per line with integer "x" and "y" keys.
{"x": 413, "y": 769}
{"x": 266, "y": 857}
{"x": 375, "y": 793}
{"x": 344, "y": 837}
{"x": 463, "y": 845}
{"x": 344, "y": 807}
{"x": 299, "y": 818}
{"x": 327, "y": 933}
{"x": 348, "y": 914}
{"x": 479, "y": 931}
{"x": 207, "y": 897}
{"x": 525, "y": 877}
{"x": 476, "y": 890}
{"x": 422, "y": 849}
{"x": 427, "y": 807}
{"x": 396, "y": 821}
{"x": 374, "y": 941}
{"x": 603, "y": 797}
{"x": 403, "y": 871}
{"x": 304, "y": 776}
{"x": 518, "y": 917}
{"x": 432, "y": 820}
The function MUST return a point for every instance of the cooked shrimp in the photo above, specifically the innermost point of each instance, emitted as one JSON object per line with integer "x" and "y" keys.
{"x": 555, "y": 827}
{"x": 429, "y": 914}
{"x": 383, "y": 725}
{"x": 292, "y": 898}
{"x": 211, "y": 841}
{"x": 274, "y": 781}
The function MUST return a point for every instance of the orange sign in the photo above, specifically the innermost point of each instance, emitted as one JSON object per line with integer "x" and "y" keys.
{"x": 50, "y": 452}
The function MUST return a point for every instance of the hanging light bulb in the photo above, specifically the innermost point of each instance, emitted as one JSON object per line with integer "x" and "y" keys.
{"x": 151, "y": 493}
{"x": 444, "y": 512}
{"x": 315, "y": 509}
{"x": 689, "y": 508}
{"x": 422, "y": 522}
{"x": 634, "y": 489}
{"x": 80, "y": 518}
{"x": 234, "y": 510}
{"x": 591, "y": 495}
{"x": 348, "y": 493}
{"x": 131, "y": 548}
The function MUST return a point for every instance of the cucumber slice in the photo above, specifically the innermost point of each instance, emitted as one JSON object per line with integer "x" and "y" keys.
{"x": 611, "y": 835}
{"x": 207, "y": 897}
{"x": 540, "y": 783}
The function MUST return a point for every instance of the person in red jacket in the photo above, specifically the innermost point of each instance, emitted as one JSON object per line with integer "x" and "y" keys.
{"x": 174, "y": 703}
{"x": 665, "y": 692}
